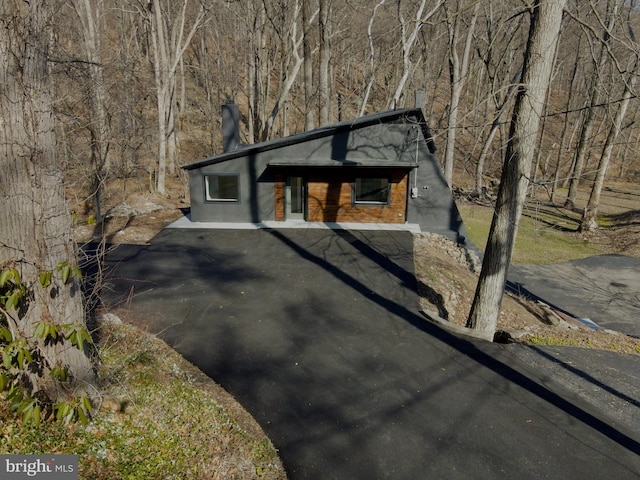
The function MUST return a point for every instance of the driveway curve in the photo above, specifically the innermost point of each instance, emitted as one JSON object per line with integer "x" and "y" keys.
{"x": 317, "y": 333}
{"x": 604, "y": 289}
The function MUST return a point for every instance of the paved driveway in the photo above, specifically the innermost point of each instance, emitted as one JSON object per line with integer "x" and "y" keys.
{"x": 317, "y": 334}
{"x": 604, "y": 288}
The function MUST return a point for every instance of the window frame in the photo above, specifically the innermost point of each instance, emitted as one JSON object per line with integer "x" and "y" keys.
{"x": 209, "y": 199}
{"x": 355, "y": 200}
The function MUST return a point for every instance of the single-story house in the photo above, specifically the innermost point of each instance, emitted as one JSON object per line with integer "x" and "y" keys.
{"x": 379, "y": 168}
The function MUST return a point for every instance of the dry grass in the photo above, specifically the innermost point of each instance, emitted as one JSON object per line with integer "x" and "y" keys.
{"x": 160, "y": 418}
{"x": 546, "y": 235}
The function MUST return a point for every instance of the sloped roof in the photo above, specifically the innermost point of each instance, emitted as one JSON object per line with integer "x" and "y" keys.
{"x": 361, "y": 122}
{"x": 295, "y": 162}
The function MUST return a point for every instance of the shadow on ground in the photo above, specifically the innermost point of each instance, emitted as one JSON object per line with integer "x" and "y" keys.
{"x": 317, "y": 334}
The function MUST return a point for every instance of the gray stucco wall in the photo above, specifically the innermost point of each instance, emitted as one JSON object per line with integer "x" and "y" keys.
{"x": 433, "y": 208}
{"x": 256, "y": 201}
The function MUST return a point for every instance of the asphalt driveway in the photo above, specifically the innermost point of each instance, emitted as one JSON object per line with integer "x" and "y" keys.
{"x": 603, "y": 288}
{"x": 317, "y": 333}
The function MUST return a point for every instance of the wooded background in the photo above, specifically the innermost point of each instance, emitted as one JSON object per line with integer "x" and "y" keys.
{"x": 139, "y": 83}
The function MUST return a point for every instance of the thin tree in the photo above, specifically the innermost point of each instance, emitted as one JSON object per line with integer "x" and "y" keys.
{"x": 573, "y": 80}
{"x": 408, "y": 37}
{"x": 324, "y": 31}
{"x": 309, "y": 113}
{"x": 169, "y": 39}
{"x": 289, "y": 74}
{"x": 372, "y": 60}
{"x": 458, "y": 68}
{"x": 41, "y": 304}
{"x": 546, "y": 17}
{"x": 589, "y": 221}
{"x": 584, "y": 142}
{"x": 89, "y": 15}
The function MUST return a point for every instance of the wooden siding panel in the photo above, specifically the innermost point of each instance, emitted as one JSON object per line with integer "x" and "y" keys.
{"x": 332, "y": 201}
{"x": 279, "y": 192}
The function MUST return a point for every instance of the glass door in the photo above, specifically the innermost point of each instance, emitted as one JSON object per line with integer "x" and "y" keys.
{"x": 295, "y": 198}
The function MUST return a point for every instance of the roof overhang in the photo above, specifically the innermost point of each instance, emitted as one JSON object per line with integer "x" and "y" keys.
{"x": 328, "y": 163}
{"x": 361, "y": 122}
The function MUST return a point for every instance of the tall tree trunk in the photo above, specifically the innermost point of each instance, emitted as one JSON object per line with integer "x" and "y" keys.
{"x": 495, "y": 125}
{"x": 408, "y": 40}
{"x": 589, "y": 221}
{"x": 457, "y": 75}
{"x": 324, "y": 98}
{"x": 89, "y": 13}
{"x": 309, "y": 111}
{"x": 589, "y": 117}
{"x": 169, "y": 45}
{"x": 289, "y": 75}
{"x": 542, "y": 136}
{"x": 543, "y": 36}
{"x": 36, "y": 223}
{"x": 565, "y": 123}
{"x": 372, "y": 63}
{"x": 254, "y": 42}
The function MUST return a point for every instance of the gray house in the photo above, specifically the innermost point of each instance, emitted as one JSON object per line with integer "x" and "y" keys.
{"x": 379, "y": 168}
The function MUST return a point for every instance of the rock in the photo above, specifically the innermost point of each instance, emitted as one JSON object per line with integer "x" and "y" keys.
{"x": 108, "y": 318}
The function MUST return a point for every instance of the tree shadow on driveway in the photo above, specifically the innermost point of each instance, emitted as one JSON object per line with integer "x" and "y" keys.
{"x": 315, "y": 333}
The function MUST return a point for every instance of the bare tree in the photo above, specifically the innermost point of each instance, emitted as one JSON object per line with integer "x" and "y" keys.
{"x": 290, "y": 69}
{"x": 564, "y": 142}
{"x": 89, "y": 13}
{"x": 36, "y": 248}
{"x": 309, "y": 112}
{"x": 170, "y": 37}
{"x": 458, "y": 68}
{"x": 546, "y": 17}
{"x": 408, "y": 38}
{"x": 372, "y": 58}
{"x": 324, "y": 32}
{"x": 599, "y": 61}
{"x": 589, "y": 221}
{"x": 495, "y": 46}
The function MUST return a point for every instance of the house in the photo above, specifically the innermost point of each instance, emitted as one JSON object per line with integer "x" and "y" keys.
{"x": 379, "y": 168}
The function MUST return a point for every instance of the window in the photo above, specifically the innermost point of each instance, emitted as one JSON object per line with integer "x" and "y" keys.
{"x": 221, "y": 188}
{"x": 372, "y": 190}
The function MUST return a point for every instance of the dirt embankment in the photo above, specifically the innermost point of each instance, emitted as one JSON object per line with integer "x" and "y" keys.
{"x": 447, "y": 275}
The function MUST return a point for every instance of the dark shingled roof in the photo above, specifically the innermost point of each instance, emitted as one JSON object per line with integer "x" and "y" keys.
{"x": 361, "y": 122}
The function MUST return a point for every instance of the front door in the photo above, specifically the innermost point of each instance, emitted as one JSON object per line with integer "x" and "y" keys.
{"x": 295, "y": 198}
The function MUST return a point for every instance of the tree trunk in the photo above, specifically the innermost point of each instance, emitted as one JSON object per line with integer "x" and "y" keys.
{"x": 36, "y": 223}
{"x": 543, "y": 36}
{"x": 372, "y": 64}
{"x": 589, "y": 220}
{"x": 495, "y": 125}
{"x": 458, "y": 75}
{"x": 309, "y": 111}
{"x": 323, "y": 58}
{"x": 565, "y": 123}
{"x": 169, "y": 45}
{"x": 289, "y": 76}
{"x": 589, "y": 117}
{"x": 408, "y": 42}
{"x": 89, "y": 14}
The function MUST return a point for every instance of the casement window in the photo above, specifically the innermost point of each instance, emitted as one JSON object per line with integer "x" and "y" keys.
{"x": 222, "y": 188}
{"x": 372, "y": 191}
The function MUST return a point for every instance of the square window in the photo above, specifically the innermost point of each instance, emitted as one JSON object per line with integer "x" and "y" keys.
{"x": 222, "y": 188}
{"x": 372, "y": 191}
